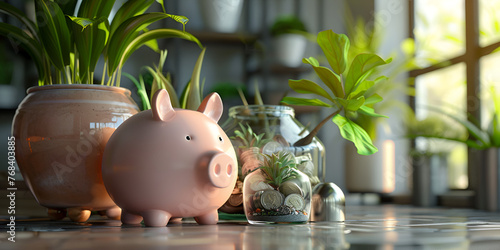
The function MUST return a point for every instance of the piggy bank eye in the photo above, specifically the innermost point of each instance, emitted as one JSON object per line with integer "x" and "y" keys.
{"x": 220, "y": 138}
{"x": 188, "y": 138}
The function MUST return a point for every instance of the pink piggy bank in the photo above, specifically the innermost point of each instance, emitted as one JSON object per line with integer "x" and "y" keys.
{"x": 169, "y": 163}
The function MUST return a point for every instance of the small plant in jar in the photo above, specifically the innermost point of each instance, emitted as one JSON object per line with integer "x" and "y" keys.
{"x": 277, "y": 192}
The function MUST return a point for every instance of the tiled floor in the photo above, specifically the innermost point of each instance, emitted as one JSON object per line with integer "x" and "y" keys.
{"x": 366, "y": 227}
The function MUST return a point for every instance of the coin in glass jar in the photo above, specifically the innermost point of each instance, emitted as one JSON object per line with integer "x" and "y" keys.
{"x": 296, "y": 201}
{"x": 271, "y": 199}
{"x": 290, "y": 187}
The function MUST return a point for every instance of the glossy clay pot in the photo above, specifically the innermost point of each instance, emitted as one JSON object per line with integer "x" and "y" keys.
{"x": 60, "y": 133}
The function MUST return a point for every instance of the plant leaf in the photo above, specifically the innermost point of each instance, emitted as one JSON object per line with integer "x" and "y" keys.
{"x": 304, "y": 102}
{"x": 375, "y": 98}
{"x": 34, "y": 49}
{"x": 54, "y": 32}
{"x": 90, "y": 37}
{"x": 13, "y": 11}
{"x": 162, "y": 4}
{"x": 352, "y": 104}
{"x": 308, "y": 87}
{"x": 311, "y": 60}
{"x": 194, "y": 96}
{"x": 128, "y": 31}
{"x": 370, "y": 112}
{"x": 360, "y": 68}
{"x": 67, "y": 6}
{"x": 355, "y": 133}
{"x": 474, "y": 131}
{"x": 141, "y": 91}
{"x": 331, "y": 80}
{"x": 129, "y": 9}
{"x": 258, "y": 98}
{"x": 361, "y": 89}
{"x": 95, "y": 9}
{"x": 152, "y": 44}
{"x": 335, "y": 47}
{"x": 184, "y": 95}
{"x": 154, "y": 34}
{"x": 125, "y": 33}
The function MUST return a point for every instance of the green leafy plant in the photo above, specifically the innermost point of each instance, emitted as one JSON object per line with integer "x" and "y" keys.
{"x": 345, "y": 89}
{"x": 475, "y": 136}
{"x": 366, "y": 40}
{"x": 288, "y": 24}
{"x": 66, "y": 48}
{"x": 249, "y": 138}
{"x": 278, "y": 168}
{"x": 191, "y": 95}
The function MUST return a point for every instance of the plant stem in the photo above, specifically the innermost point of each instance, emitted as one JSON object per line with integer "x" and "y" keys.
{"x": 103, "y": 73}
{"x": 308, "y": 139}
{"x": 68, "y": 74}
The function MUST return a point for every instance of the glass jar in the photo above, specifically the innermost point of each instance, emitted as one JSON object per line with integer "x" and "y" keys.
{"x": 267, "y": 129}
{"x": 277, "y": 192}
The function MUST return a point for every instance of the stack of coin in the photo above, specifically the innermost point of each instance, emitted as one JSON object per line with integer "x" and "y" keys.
{"x": 257, "y": 183}
{"x": 235, "y": 199}
{"x": 249, "y": 160}
{"x": 268, "y": 199}
{"x": 296, "y": 201}
{"x": 290, "y": 187}
{"x": 306, "y": 167}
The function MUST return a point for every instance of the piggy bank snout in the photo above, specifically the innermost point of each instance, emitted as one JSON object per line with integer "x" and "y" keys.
{"x": 221, "y": 170}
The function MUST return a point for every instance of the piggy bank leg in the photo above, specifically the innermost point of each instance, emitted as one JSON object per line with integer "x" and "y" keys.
{"x": 156, "y": 218}
{"x": 175, "y": 221}
{"x": 114, "y": 213}
{"x": 209, "y": 218}
{"x": 129, "y": 218}
{"x": 78, "y": 214}
{"x": 56, "y": 214}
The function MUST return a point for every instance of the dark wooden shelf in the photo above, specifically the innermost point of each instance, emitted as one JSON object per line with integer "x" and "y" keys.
{"x": 282, "y": 70}
{"x": 232, "y": 38}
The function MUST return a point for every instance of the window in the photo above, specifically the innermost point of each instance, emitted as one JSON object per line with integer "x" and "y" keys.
{"x": 455, "y": 41}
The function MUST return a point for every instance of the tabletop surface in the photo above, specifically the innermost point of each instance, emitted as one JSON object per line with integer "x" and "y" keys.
{"x": 365, "y": 227}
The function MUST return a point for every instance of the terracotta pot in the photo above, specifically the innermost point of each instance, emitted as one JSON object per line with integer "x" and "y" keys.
{"x": 61, "y": 132}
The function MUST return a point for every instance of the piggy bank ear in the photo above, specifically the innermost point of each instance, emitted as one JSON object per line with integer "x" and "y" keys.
{"x": 161, "y": 106}
{"x": 212, "y": 106}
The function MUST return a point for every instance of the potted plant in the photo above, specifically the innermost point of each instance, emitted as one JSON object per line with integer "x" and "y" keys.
{"x": 221, "y": 15}
{"x": 191, "y": 95}
{"x": 266, "y": 129}
{"x": 345, "y": 89}
{"x": 289, "y": 36}
{"x": 430, "y": 163}
{"x": 370, "y": 173}
{"x": 61, "y": 127}
{"x": 485, "y": 144}
{"x": 277, "y": 192}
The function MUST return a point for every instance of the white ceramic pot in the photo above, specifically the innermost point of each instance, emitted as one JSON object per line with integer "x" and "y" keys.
{"x": 370, "y": 173}
{"x": 289, "y": 49}
{"x": 221, "y": 15}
